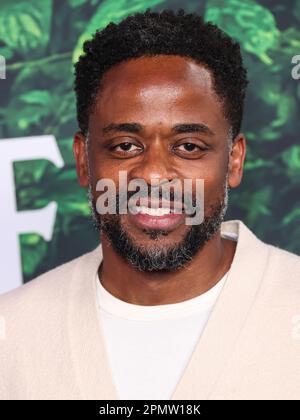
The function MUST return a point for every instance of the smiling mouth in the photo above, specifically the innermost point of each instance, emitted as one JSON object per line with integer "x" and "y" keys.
{"x": 155, "y": 212}
{"x": 160, "y": 218}
{"x": 155, "y": 208}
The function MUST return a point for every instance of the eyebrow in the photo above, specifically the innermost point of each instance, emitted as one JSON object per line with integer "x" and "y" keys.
{"x": 177, "y": 129}
{"x": 192, "y": 128}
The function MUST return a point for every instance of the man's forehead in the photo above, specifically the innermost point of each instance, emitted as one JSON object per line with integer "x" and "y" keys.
{"x": 157, "y": 71}
{"x": 128, "y": 88}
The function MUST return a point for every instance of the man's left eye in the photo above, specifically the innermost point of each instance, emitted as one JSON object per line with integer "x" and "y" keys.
{"x": 189, "y": 147}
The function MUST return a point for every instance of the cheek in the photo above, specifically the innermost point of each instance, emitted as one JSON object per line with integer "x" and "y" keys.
{"x": 104, "y": 169}
{"x": 213, "y": 174}
{"x": 213, "y": 188}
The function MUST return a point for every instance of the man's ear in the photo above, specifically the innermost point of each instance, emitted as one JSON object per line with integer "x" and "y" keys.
{"x": 236, "y": 160}
{"x": 79, "y": 150}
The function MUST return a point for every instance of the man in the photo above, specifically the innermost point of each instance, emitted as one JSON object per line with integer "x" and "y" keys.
{"x": 161, "y": 309}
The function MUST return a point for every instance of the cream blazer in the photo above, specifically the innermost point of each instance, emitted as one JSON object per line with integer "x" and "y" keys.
{"x": 52, "y": 345}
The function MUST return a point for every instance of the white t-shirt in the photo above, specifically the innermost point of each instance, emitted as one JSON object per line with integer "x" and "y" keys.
{"x": 149, "y": 346}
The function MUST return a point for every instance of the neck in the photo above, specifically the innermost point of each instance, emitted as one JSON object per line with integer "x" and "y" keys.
{"x": 125, "y": 282}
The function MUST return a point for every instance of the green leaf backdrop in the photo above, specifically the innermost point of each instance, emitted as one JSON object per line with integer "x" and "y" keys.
{"x": 41, "y": 39}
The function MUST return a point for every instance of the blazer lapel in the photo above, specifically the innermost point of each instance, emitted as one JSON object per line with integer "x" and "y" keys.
{"x": 228, "y": 316}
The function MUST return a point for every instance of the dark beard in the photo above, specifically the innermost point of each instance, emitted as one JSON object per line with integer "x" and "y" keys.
{"x": 157, "y": 258}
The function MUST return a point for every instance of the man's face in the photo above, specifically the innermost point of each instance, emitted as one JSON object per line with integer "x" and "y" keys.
{"x": 152, "y": 95}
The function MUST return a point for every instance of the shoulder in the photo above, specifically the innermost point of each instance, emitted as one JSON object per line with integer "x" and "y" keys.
{"x": 34, "y": 325}
{"x": 286, "y": 262}
{"x": 47, "y": 290}
{"x": 280, "y": 287}
{"x": 253, "y": 246}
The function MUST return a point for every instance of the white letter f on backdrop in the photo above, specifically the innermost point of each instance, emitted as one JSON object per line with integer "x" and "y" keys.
{"x": 12, "y": 222}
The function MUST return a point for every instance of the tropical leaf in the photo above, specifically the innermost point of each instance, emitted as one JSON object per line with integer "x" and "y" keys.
{"x": 253, "y": 25}
{"x": 33, "y": 250}
{"x": 25, "y": 25}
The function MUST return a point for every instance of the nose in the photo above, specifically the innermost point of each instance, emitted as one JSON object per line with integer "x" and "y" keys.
{"x": 156, "y": 167}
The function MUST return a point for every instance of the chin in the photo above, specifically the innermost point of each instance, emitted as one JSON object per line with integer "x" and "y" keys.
{"x": 150, "y": 237}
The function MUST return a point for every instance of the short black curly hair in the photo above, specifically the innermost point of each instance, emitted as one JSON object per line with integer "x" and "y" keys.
{"x": 168, "y": 33}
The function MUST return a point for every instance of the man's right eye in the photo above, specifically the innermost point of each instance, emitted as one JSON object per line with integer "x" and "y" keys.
{"x": 126, "y": 148}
